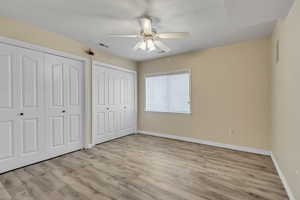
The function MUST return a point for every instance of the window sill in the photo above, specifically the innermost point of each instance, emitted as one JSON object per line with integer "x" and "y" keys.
{"x": 187, "y": 113}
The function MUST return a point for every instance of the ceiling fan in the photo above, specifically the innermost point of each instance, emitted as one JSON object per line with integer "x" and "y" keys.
{"x": 150, "y": 39}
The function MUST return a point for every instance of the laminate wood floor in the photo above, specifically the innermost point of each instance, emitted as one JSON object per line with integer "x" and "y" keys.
{"x": 140, "y": 167}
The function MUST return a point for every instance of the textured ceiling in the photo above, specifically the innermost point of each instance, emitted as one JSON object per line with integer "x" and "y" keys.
{"x": 210, "y": 22}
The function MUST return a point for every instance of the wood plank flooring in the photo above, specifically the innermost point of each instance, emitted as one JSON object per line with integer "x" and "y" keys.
{"x": 140, "y": 167}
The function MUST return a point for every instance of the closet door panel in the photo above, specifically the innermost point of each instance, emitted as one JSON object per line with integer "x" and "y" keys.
{"x": 9, "y": 108}
{"x": 6, "y": 79}
{"x": 74, "y": 108}
{"x": 113, "y": 103}
{"x": 8, "y": 103}
{"x": 57, "y": 129}
{"x": 75, "y": 128}
{"x": 21, "y": 107}
{"x": 103, "y": 101}
{"x": 56, "y": 85}
{"x": 123, "y": 119}
{"x": 9, "y": 81}
{"x": 111, "y": 84}
{"x": 30, "y": 79}
{"x": 40, "y": 106}
{"x": 74, "y": 87}
{"x": 99, "y": 84}
{"x": 63, "y": 104}
{"x": 101, "y": 123}
{"x": 128, "y": 103}
{"x": 7, "y": 141}
{"x": 73, "y": 84}
{"x": 122, "y": 101}
{"x": 111, "y": 122}
{"x": 131, "y": 105}
{"x": 32, "y": 135}
{"x": 117, "y": 89}
{"x": 55, "y": 105}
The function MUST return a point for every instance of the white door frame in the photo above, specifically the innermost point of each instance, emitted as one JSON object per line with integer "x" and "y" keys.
{"x": 85, "y": 61}
{"x": 93, "y": 96}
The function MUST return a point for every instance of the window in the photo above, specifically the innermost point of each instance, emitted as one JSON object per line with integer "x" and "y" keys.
{"x": 168, "y": 92}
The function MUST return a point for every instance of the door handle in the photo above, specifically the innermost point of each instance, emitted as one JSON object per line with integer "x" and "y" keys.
{"x": 21, "y": 114}
{"x": 63, "y": 111}
{"x": 107, "y": 108}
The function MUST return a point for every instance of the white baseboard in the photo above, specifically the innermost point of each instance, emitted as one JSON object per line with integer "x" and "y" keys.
{"x": 227, "y": 146}
{"x": 88, "y": 146}
{"x": 109, "y": 138}
{"x": 283, "y": 179}
{"x": 233, "y": 147}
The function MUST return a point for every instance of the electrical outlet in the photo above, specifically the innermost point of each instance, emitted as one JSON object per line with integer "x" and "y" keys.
{"x": 230, "y": 131}
{"x": 297, "y": 172}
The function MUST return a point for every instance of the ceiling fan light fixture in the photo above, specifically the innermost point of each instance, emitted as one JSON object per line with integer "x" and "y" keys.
{"x": 150, "y": 45}
{"x": 150, "y": 38}
{"x": 143, "y": 46}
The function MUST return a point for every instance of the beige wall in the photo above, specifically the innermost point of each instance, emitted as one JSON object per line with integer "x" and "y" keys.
{"x": 34, "y": 35}
{"x": 230, "y": 89}
{"x": 286, "y": 98}
{"x": 28, "y": 33}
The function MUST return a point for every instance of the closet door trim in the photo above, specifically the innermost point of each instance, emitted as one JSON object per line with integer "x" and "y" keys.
{"x": 17, "y": 43}
{"x": 112, "y": 67}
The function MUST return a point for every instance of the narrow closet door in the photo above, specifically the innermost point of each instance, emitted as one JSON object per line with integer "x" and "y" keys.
{"x": 9, "y": 118}
{"x": 104, "y": 101}
{"x": 56, "y": 103}
{"x": 100, "y": 96}
{"x": 31, "y": 103}
{"x": 114, "y": 103}
{"x": 74, "y": 95}
{"x": 132, "y": 104}
{"x": 128, "y": 112}
{"x": 63, "y": 104}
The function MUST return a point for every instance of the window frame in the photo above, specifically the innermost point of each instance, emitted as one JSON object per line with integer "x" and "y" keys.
{"x": 181, "y": 71}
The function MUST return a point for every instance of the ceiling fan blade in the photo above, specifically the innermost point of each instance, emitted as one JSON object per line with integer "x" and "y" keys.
{"x": 162, "y": 46}
{"x": 146, "y": 26}
{"x": 124, "y": 36}
{"x": 173, "y": 35}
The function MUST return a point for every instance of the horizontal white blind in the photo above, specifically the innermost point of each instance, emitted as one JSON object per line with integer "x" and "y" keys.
{"x": 168, "y": 93}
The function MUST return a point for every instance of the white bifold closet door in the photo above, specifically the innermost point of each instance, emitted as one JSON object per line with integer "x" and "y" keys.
{"x": 63, "y": 94}
{"x": 40, "y": 106}
{"x": 21, "y": 107}
{"x": 114, "y": 103}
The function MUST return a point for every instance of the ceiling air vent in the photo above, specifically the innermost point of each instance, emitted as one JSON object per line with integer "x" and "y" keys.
{"x": 103, "y": 45}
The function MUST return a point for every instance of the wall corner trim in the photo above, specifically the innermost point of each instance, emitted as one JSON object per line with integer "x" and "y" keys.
{"x": 194, "y": 140}
{"x": 283, "y": 179}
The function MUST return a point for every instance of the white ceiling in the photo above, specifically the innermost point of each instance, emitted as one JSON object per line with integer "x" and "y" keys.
{"x": 210, "y": 22}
